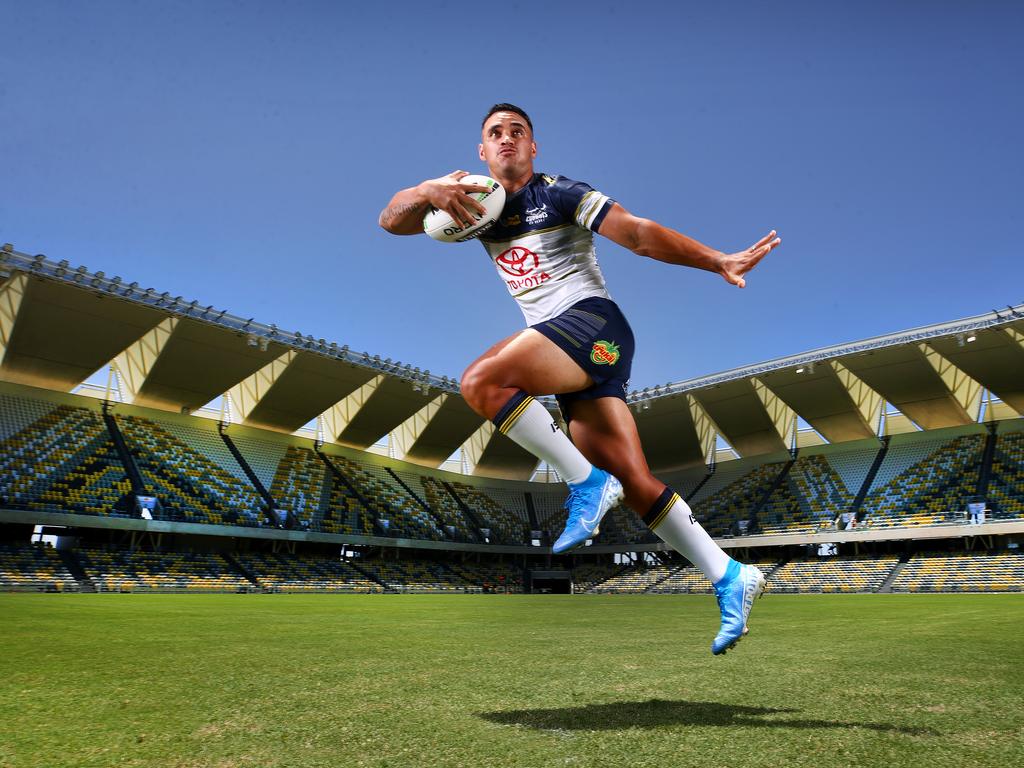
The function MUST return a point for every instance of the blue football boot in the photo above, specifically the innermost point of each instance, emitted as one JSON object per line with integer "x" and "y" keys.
{"x": 736, "y": 592}
{"x": 587, "y": 504}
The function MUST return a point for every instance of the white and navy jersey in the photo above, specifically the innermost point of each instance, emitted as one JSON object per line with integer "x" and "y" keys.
{"x": 543, "y": 245}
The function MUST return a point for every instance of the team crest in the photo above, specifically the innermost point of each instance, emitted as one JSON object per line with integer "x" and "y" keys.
{"x": 537, "y": 215}
{"x": 605, "y": 353}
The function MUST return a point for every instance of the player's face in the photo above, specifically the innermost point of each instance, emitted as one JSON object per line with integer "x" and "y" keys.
{"x": 508, "y": 147}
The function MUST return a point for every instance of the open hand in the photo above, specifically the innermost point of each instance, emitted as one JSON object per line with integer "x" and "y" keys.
{"x": 734, "y": 266}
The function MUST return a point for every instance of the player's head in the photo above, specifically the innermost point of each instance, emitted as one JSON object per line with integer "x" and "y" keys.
{"x": 507, "y": 144}
{"x": 506, "y": 107}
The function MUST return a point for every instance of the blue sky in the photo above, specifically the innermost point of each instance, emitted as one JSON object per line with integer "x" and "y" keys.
{"x": 239, "y": 153}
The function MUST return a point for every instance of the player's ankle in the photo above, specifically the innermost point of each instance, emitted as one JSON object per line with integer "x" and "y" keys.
{"x": 595, "y": 476}
{"x": 731, "y": 571}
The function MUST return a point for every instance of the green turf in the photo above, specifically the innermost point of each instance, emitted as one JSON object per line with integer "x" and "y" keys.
{"x": 467, "y": 681}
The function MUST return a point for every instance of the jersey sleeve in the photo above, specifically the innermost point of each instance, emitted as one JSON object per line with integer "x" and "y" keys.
{"x": 578, "y": 201}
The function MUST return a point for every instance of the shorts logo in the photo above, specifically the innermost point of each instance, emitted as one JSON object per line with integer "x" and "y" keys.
{"x": 511, "y": 221}
{"x": 605, "y": 353}
{"x": 518, "y": 261}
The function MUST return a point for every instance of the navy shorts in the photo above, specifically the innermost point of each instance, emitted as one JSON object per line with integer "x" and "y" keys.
{"x": 595, "y": 334}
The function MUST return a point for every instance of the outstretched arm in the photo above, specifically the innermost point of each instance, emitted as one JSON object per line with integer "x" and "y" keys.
{"x": 649, "y": 238}
{"x": 404, "y": 214}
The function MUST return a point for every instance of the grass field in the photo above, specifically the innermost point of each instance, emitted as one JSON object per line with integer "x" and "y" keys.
{"x": 325, "y": 680}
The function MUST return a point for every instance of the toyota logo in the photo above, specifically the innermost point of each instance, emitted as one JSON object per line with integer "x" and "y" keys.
{"x": 518, "y": 261}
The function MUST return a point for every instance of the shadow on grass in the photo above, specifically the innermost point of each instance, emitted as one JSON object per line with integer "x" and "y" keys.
{"x": 656, "y": 713}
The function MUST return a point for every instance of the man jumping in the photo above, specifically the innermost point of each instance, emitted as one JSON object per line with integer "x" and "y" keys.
{"x": 578, "y": 346}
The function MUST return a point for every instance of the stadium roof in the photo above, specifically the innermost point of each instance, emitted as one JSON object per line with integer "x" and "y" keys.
{"x": 60, "y": 324}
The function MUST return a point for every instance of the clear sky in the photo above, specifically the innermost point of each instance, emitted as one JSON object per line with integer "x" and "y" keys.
{"x": 239, "y": 153}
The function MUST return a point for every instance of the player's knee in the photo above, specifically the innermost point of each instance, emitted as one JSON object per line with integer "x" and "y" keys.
{"x": 477, "y": 384}
{"x": 470, "y": 385}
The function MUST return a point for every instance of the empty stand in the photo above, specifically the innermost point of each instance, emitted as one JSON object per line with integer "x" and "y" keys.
{"x": 62, "y": 462}
{"x": 33, "y": 568}
{"x": 968, "y": 572}
{"x": 720, "y": 511}
{"x": 189, "y": 485}
{"x": 306, "y": 573}
{"x": 931, "y": 490}
{"x": 585, "y": 577}
{"x": 1006, "y": 483}
{"x": 690, "y": 579}
{"x": 299, "y": 485}
{"x": 632, "y": 580}
{"x": 417, "y": 576}
{"x": 404, "y": 514}
{"x": 859, "y": 574}
{"x": 118, "y": 570}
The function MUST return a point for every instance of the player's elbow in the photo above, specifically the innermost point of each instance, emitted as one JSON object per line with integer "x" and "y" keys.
{"x": 643, "y": 236}
{"x": 395, "y": 227}
{"x": 386, "y": 223}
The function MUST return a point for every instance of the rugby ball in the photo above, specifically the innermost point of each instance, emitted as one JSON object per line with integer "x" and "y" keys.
{"x": 440, "y": 226}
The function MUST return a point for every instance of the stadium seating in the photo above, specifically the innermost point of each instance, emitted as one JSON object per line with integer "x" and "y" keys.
{"x": 190, "y": 486}
{"x": 447, "y": 508}
{"x": 812, "y": 496}
{"x": 585, "y": 577}
{"x": 719, "y": 513}
{"x": 512, "y": 502}
{"x": 685, "y": 481}
{"x": 18, "y": 414}
{"x": 690, "y": 579}
{"x": 345, "y": 511}
{"x": 491, "y": 576}
{"x": 262, "y": 456}
{"x": 968, "y": 572}
{"x": 305, "y": 573}
{"x": 404, "y": 514}
{"x": 632, "y": 580}
{"x": 417, "y": 576}
{"x": 1006, "y": 485}
{"x": 550, "y": 508}
{"x": 33, "y": 568}
{"x": 506, "y": 527}
{"x": 929, "y": 491}
{"x": 852, "y": 467}
{"x": 62, "y": 462}
{"x": 846, "y": 574}
{"x": 622, "y": 526}
{"x": 119, "y": 570}
{"x": 298, "y": 485}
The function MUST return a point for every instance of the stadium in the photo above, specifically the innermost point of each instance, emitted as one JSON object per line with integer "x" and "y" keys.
{"x": 222, "y": 454}
{"x": 269, "y": 486}
{"x": 154, "y": 445}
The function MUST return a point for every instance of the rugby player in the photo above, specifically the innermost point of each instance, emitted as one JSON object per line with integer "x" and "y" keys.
{"x": 578, "y": 346}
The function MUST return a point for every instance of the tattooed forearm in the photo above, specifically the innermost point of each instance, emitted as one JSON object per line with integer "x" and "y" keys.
{"x": 390, "y": 214}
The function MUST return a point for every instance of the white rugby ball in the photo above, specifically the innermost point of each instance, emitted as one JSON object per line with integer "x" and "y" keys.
{"x": 440, "y": 226}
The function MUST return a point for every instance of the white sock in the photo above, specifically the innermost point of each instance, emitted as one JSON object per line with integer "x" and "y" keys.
{"x": 672, "y": 521}
{"x": 529, "y": 425}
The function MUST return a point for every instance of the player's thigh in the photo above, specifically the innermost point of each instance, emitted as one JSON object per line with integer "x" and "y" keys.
{"x": 531, "y": 362}
{"x": 492, "y": 351}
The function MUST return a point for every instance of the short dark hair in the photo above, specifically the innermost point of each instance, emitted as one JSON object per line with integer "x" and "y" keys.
{"x": 507, "y": 108}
